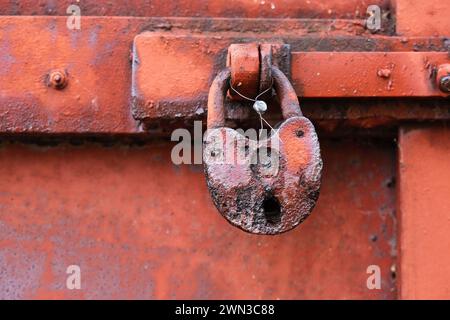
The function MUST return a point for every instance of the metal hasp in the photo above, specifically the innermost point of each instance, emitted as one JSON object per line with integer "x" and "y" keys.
{"x": 266, "y": 186}
{"x": 251, "y": 66}
{"x": 392, "y": 69}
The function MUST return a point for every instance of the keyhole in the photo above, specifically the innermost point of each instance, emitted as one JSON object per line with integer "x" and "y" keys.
{"x": 272, "y": 209}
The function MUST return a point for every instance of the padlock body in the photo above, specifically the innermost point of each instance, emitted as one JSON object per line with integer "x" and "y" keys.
{"x": 268, "y": 186}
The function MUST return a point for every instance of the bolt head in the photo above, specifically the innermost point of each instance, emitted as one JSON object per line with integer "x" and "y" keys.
{"x": 444, "y": 84}
{"x": 57, "y": 79}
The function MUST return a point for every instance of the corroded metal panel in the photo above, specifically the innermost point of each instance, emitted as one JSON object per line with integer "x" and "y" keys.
{"x": 422, "y": 17}
{"x": 123, "y": 215}
{"x": 424, "y": 206}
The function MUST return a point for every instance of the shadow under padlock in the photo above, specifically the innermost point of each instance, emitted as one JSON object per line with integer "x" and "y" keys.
{"x": 266, "y": 186}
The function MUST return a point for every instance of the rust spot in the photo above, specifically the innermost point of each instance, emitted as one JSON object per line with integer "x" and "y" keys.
{"x": 384, "y": 73}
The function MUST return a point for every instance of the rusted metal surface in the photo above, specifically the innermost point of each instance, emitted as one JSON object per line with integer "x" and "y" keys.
{"x": 348, "y": 9}
{"x": 342, "y": 114}
{"x": 422, "y": 18}
{"x": 424, "y": 206}
{"x": 88, "y": 105}
{"x": 96, "y": 98}
{"x": 262, "y": 186}
{"x": 68, "y": 205}
{"x": 373, "y": 74}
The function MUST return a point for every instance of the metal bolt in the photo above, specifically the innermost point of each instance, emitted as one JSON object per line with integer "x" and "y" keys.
{"x": 444, "y": 84}
{"x": 57, "y": 79}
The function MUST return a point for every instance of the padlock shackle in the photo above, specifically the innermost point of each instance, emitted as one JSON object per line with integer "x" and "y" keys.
{"x": 216, "y": 99}
{"x": 290, "y": 106}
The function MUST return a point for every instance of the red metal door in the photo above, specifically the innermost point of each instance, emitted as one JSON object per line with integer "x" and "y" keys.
{"x": 86, "y": 177}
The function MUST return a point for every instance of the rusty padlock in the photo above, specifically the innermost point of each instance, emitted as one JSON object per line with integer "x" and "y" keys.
{"x": 260, "y": 192}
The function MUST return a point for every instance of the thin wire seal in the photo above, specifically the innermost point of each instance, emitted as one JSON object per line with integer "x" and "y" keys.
{"x": 259, "y": 113}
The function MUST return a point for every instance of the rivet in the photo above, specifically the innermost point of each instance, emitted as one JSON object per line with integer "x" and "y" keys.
{"x": 57, "y": 79}
{"x": 444, "y": 84}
